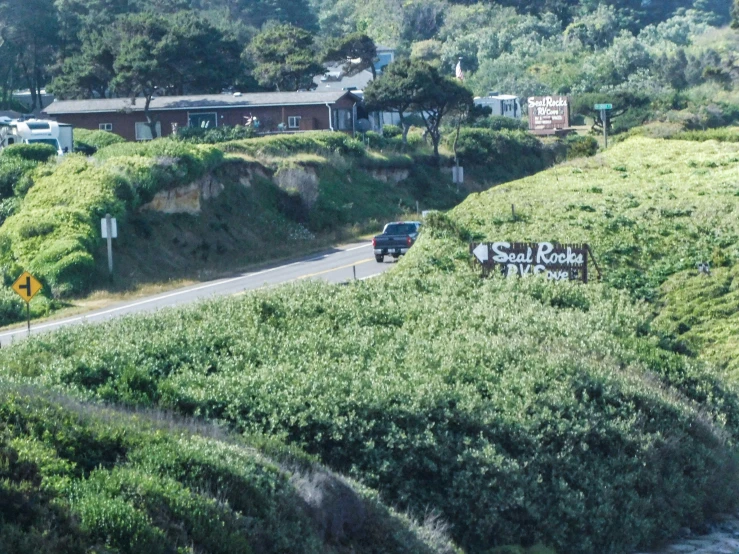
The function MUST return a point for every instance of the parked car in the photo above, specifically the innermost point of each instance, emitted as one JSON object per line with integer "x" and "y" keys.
{"x": 396, "y": 238}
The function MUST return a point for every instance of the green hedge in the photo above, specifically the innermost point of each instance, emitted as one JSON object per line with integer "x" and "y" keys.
{"x": 188, "y": 161}
{"x": 77, "y": 479}
{"x": 30, "y": 152}
{"x": 503, "y": 154}
{"x": 723, "y": 134}
{"x": 89, "y": 142}
{"x": 520, "y": 410}
{"x": 224, "y": 133}
{"x": 316, "y": 142}
{"x": 15, "y": 175}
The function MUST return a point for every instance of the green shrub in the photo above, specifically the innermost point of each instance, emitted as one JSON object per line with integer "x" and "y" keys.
{"x": 190, "y": 160}
{"x": 390, "y": 131}
{"x": 30, "y": 152}
{"x": 12, "y": 308}
{"x": 15, "y": 175}
{"x": 580, "y": 146}
{"x": 224, "y": 133}
{"x": 500, "y": 122}
{"x": 56, "y": 228}
{"x": 726, "y": 134}
{"x": 89, "y": 142}
{"x": 79, "y": 478}
{"x": 314, "y": 142}
{"x": 417, "y": 387}
{"x": 503, "y": 154}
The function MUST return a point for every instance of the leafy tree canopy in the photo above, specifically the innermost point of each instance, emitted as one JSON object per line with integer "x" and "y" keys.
{"x": 356, "y": 51}
{"x": 284, "y": 58}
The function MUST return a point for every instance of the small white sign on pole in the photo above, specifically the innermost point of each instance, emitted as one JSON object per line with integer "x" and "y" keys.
{"x": 113, "y": 227}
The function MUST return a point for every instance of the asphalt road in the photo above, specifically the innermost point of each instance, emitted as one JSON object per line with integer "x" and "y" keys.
{"x": 335, "y": 266}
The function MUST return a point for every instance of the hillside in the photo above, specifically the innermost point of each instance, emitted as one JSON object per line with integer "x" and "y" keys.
{"x": 79, "y": 478}
{"x": 194, "y": 211}
{"x": 518, "y": 411}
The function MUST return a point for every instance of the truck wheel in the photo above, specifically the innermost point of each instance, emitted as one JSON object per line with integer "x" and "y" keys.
{"x": 380, "y": 258}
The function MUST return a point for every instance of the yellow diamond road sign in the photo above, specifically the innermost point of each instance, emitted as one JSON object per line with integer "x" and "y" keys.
{"x": 27, "y": 286}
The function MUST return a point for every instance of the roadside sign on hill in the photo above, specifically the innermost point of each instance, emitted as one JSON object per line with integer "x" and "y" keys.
{"x": 27, "y": 286}
{"x": 559, "y": 262}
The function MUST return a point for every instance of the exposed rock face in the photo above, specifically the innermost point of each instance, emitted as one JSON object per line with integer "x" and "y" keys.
{"x": 303, "y": 180}
{"x": 390, "y": 174}
{"x": 185, "y": 199}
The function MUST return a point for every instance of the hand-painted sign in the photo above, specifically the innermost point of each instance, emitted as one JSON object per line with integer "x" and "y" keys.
{"x": 558, "y": 262}
{"x": 548, "y": 113}
{"x": 26, "y": 286}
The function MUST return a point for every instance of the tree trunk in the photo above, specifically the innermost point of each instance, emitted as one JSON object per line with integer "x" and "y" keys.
{"x": 151, "y": 122}
{"x": 435, "y": 139}
{"x": 405, "y": 127}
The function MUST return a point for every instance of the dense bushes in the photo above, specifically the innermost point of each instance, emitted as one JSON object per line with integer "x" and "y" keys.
{"x": 188, "y": 161}
{"x": 30, "y": 152}
{"x": 15, "y": 175}
{"x": 89, "y": 142}
{"x": 521, "y": 410}
{"x": 502, "y": 154}
{"x": 727, "y": 134}
{"x": 223, "y": 133}
{"x": 77, "y": 479}
{"x": 499, "y": 123}
{"x": 579, "y": 146}
{"x": 310, "y": 143}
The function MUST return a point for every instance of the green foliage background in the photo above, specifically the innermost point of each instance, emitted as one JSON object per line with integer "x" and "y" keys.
{"x": 523, "y": 411}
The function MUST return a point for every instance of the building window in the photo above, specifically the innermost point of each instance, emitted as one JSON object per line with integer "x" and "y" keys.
{"x": 105, "y": 126}
{"x": 205, "y": 120}
{"x": 343, "y": 120}
{"x": 293, "y": 122}
{"x": 143, "y": 132}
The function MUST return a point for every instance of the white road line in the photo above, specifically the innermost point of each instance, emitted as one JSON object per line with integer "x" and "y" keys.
{"x": 358, "y": 247}
{"x": 147, "y": 301}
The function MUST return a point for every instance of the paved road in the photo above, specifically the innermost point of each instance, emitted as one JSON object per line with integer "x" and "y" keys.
{"x": 334, "y": 266}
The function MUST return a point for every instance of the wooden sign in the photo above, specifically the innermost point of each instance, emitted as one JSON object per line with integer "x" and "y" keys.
{"x": 547, "y": 114}
{"x": 558, "y": 262}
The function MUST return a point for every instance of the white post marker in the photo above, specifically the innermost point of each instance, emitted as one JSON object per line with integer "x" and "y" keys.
{"x": 109, "y": 229}
{"x": 604, "y": 118}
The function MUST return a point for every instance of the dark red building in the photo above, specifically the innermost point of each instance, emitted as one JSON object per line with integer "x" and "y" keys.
{"x": 274, "y": 111}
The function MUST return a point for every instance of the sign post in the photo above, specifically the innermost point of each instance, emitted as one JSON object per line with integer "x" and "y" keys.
{"x": 27, "y": 286}
{"x": 109, "y": 230}
{"x": 604, "y": 108}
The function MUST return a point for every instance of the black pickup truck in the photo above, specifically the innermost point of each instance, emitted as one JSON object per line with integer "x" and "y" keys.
{"x": 396, "y": 238}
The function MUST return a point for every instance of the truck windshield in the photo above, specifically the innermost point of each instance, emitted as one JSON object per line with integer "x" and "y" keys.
{"x": 401, "y": 229}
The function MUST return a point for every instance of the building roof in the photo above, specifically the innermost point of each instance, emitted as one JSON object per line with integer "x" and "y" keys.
{"x": 497, "y": 97}
{"x": 255, "y": 99}
{"x": 336, "y": 81}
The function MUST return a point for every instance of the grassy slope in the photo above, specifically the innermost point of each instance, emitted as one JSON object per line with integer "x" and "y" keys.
{"x": 523, "y": 411}
{"x": 76, "y": 479}
{"x": 651, "y": 211}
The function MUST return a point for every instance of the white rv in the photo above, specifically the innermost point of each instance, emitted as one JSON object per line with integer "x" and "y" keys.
{"x": 506, "y": 105}
{"x": 34, "y": 131}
